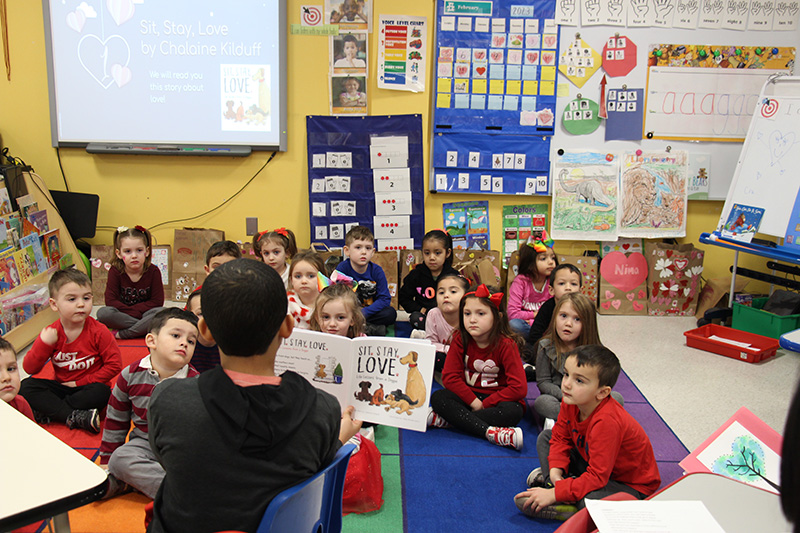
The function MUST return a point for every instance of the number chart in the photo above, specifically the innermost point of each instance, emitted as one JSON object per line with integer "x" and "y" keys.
{"x": 366, "y": 171}
{"x": 495, "y": 101}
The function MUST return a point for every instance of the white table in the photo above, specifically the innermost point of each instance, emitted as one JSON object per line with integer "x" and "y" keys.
{"x": 736, "y": 506}
{"x": 42, "y": 476}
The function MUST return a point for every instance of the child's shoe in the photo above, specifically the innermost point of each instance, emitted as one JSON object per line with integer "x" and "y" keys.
{"x": 87, "y": 419}
{"x": 116, "y": 488}
{"x": 418, "y": 334}
{"x": 549, "y": 423}
{"x": 40, "y": 418}
{"x": 535, "y": 478}
{"x": 511, "y": 437}
{"x": 530, "y": 372}
{"x": 557, "y": 511}
{"x": 435, "y": 420}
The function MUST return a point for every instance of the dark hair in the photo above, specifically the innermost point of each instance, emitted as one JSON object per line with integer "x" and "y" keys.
{"x": 67, "y": 275}
{"x": 137, "y": 232}
{"x": 309, "y": 256}
{"x": 5, "y": 345}
{"x": 464, "y": 281}
{"x": 500, "y": 327}
{"x": 335, "y": 292}
{"x": 358, "y": 233}
{"x": 566, "y": 266}
{"x": 160, "y": 319}
{"x": 527, "y": 261}
{"x": 447, "y": 242}
{"x": 244, "y": 305}
{"x": 600, "y": 357}
{"x": 790, "y": 466}
{"x": 195, "y": 294}
{"x": 349, "y": 38}
{"x": 223, "y": 248}
{"x": 282, "y": 236}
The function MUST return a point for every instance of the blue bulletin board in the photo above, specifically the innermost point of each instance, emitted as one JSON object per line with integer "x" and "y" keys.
{"x": 494, "y": 107}
{"x": 366, "y": 171}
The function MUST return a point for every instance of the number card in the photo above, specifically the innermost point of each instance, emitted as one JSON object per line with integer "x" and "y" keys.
{"x": 541, "y": 184}
{"x": 391, "y": 179}
{"x": 452, "y": 158}
{"x": 392, "y": 203}
{"x": 486, "y": 182}
{"x": 321, "y": 232}
{"x": 395, "y": 244}
{"x": 343, "y": 184}
{"x": 337, "y": 231}
{"x": 318, "y": 161}
{"x": 441, "y": 182}
{"x": 389, "y": 152}
{"x": 318, "y": 185}
{"x": 319, "y": 209}
{"x": 346, "y": 160}
{"x": 463, "y": 180}
{"x": 474, "y": 159}
{"x": 397, "y": 227}
{"x": 497, "y": 184}
{"x": 333, "y": 159}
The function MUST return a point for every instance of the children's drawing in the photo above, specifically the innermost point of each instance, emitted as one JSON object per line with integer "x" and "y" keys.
{"x": 585, "y": 196}
{"x": 779, "y": 143}
{"x": 654, "y": 195}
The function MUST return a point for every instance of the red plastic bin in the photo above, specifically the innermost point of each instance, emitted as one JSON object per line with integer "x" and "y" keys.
{"x": 760, "y": 348}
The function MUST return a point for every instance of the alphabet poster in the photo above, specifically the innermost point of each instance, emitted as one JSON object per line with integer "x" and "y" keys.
{"x": 654, "y": 194}
{"x": 585, "y": 196}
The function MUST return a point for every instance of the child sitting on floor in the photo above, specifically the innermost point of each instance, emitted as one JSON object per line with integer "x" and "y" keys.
{"x": 595, "y": 449}
{"x": 206, "y": 353}
{"x": 84, "y": 354}
{"x": 531, "y": 288}
{"x": 9, "y": 380}
{"x": 276, "y": 248}
{"x": 442, "y": 320}
{"x": 171, "y": 340}
{"x": 304, "y": 283}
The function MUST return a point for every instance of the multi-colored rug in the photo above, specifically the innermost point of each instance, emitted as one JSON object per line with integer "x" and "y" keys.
{"x": 440, "y": 480}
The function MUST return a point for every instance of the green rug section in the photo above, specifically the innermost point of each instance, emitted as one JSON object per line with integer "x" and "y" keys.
{"x": 389, "y": 518}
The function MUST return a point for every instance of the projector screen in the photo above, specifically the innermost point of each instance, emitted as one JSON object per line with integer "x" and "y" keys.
{"x": 173, "y": 72}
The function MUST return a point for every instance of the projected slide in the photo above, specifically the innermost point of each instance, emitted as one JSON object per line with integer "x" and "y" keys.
{"x": 148, "y": 71}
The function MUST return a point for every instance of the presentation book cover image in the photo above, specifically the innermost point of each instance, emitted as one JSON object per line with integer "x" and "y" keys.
{"x": 743, "y": 222}
{"x": 387, "y": 380}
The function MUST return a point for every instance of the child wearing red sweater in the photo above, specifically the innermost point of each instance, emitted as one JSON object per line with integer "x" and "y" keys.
{"x": 596, "y": 448}
{"x": 9, "y": 380}
{"x": 85, "y": 358}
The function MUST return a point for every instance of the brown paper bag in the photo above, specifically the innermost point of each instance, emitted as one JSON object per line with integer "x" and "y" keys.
{"x": 387, "y": 260}
{"x": 623, "y": 284}
{"x": 409, "y": 259}
{"x": 189, "y": 259}
{"x": 101, "y": 261}
{"x": 588, "y": 266}
{"x": 674, "y": 278}
{"x": 469, "y": 264}
{"x": 330, "y": 257}
{"x": 513, "y": 269}
{"x": 715, "y": 293}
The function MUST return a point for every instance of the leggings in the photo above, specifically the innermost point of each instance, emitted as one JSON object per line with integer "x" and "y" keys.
{"x": 57, "y": 401}
{"x": 458, "y": 414}
{"x": 127, "y": 326}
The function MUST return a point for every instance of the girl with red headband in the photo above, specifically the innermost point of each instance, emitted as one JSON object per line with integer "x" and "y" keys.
{"x": 276, "y": 248}
{"x": 135, "y": 290}
{"x": 531, "y": 288}
{"x": 484, "y": 382}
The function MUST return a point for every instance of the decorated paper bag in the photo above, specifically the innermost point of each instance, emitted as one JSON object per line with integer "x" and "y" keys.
{"x": 387, "y": 260}
{"x": 715, "y": 293}
{"x": 409, "y": 259}
{"x": 331, "y": 258}
{"x": 513, "y": 269}
{"x": 470, "y": 263}
{"x": 674, "y": 278}
{"x": 588, "y": 266}
{"x": 191, "y": 245}
{"x": 623, "y": 284}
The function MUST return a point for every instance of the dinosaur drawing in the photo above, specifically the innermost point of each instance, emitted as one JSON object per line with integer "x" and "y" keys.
{"x": 590, "y": 190}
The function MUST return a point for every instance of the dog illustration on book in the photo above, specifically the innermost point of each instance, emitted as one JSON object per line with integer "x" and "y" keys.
{"x": 415, "y": 385}
{"x": 364, "y": 395}
{"x": 397, "y": 400}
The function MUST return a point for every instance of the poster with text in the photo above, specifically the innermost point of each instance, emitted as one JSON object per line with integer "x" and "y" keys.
{"x": 519, "y": 223}
{"x": 468, "y": 224}
{"x": 402, "y": 51}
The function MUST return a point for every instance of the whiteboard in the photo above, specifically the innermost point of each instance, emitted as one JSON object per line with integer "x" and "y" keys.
{"x": 724, "y": 155}
{"x": 766, "y": 173}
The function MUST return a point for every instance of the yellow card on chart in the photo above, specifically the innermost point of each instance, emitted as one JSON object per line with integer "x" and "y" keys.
{"x": 513, "y": 87}
{"x": 563, "y": 89}
{"x": 496, "y": 86}
{"x": 443, "y": 100}
{"x": 443, "y": 85}
{"x": 530, "y": 88}
{"x": 479, "y": 86}
{"x": 548, "y": 88}
{"x": 548, "y": 73}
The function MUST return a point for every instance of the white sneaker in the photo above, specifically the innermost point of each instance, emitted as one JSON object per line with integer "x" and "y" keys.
{"x": 510, "y": 437}
{"x": 435, "y": 420}
{"x": 418, "y": 334}
{"x": 549, "y": 423}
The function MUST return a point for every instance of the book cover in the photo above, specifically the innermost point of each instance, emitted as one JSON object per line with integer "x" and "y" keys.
{"x": 51, "y": 246}
{"x": 742, "y": 223}
{"x": 5, "y": 201}
{"x": 387, "y": 379}
{"x": 245, "y": 97}
{"x": 34, "y": 241}
{"x": 28, "y": 228}
{"x": 9, "y": 275}
{"x": 792, "y": 237}
{"x": 24, "y": 265}
{"x": 39, "y": 219}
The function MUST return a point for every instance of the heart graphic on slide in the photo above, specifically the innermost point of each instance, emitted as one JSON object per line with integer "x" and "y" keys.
{"x": 75, "y": 20}
{"x": 480, "y": 70}
{"x": 94, "y": 54}
{"x": 461, "y": 70}
{"x": 121, "y": 10}
{"x": 121, "y": 75}
{"x": 532, "y": 57}
{"x": 624, "y": 273}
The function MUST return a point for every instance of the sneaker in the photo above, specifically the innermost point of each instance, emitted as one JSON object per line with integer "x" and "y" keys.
{"x": 511, "y": 437}
{"x": 535, "y": 478}
{"x": 87, "y": 419}
{"x": 558, "y": 511}
{"x": 530, "y": 372}
{"x": 40, "y": 418}
{"x": 435, "y": 420}
{"x": 116, "y": 488}
{"x": 549, "y": 423}
{"x": 418, "y": 334}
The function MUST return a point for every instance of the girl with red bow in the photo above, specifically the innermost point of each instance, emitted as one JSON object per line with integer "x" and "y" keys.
{"x": 303, "y": 272}
{"x": 276, "y": 248}
{"x": 484, "y": 382}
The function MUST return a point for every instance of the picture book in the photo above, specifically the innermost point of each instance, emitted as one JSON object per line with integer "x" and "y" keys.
{"x": 793, "y": 229}
{"x": 27, "y": 205}
{"x": 51, "y": 246}
{"x": 9, "y": 275}
{"x": 744, "y": 448}
{"x": 743, "y": 222}
{"x": 386, "y": 379}
{"x": 5, "y": 201}
{"x": 39, "y": 219}
{"x": 35, "y": 243}
{"x": 28, "y": 228}
{"x": 25, "y": 265}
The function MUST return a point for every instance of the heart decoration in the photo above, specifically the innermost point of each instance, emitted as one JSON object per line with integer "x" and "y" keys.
{"x": 680, "y": 263}
{"x": 76, "y": 19}
{"x": 107, "y": 266}
{"x": 642, "y": 295}
{"x": 616, "y": 303}
{"x": 121, "y": 75}
{"x": 637, "y": 306}
{"x": 606, "y": 305}
{"x": 654, "y": 298}
{"x": 669, "y": 253}
{"x": 609, "y": 295}
{"x": 94, "y": 54}
{"x": 481, "y": 70}
{"x": 121, "y": 10}
{"x": 496, "y": 56}
{"x": 625, "y": 246}
{"x": 487, "y": 367}
{"x": 548, "y": 58}
{"x": 461, "y": 70}
{"x": 97, "y": 262}
{"x": 686, "y": 291}
{"x": 480, "y": 54}
{"x": 499, "y": 41}
{"x": 630, "y": 296}
{"x": 532, "y": 57}
{"x": 550, "y": 41}
{"x": 625, "y": 273}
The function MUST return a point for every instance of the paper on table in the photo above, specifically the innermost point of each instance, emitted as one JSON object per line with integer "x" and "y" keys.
{"x": 638, "y": 516}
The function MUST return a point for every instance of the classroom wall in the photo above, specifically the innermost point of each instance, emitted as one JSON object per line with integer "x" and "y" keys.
{"x": 155, "y": 190}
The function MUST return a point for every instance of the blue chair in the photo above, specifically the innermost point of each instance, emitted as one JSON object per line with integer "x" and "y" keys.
{"x": 313, "y": 506}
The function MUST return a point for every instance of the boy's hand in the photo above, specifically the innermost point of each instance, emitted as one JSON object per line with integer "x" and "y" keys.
{"x": 556, "y": 474}
{"x": 49, "y": 335}
{"x": 349, "y": 426}
{"x": 538, "y": 498}
{"x": 476, "y": 405}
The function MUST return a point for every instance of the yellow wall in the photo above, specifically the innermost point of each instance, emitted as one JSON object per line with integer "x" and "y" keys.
{"x": 150, "y": 190}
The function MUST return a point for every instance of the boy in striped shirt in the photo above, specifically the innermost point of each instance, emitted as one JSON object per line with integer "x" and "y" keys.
{"x": 171, "y": 340}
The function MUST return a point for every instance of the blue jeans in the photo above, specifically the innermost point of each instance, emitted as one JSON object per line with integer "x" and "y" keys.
{"x": 520, "y": 326}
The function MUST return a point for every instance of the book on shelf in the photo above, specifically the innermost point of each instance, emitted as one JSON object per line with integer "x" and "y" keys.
{"x": 792, "y": 237}
{"x": 39, "y": 219}
{"x": 387, "y": 379}
{"x": 9, "y": 275}
{"x": 26, "y": 264}
{"x": 5, "y": 200}
{"x": 34, "y": 241}
{"x": 51, "y": 246}
{"x": 743, "y": 222}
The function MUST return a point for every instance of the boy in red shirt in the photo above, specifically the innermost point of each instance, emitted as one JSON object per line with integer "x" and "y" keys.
{"x": 9, "y": 380}
{"x": 84, "y": 353}
{"x": 596, "y": 448}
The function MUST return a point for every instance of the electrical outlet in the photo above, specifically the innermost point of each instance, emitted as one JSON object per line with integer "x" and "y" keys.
{"x": 251, "y": 223}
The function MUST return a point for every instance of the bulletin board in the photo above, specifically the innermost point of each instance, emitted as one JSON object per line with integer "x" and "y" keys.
{"x": 720, "y": 157}
{"x": 495, "y": 73}
{"x": 366, "y": 171}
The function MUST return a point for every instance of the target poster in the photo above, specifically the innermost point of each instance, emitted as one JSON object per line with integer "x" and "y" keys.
{"x": 311, "y": 16}
{"x": 402, "y": 51}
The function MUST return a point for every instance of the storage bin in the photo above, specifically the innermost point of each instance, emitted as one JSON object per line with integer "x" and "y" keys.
{"x": 759, "y": 349}
{"x": 755, "y": 320}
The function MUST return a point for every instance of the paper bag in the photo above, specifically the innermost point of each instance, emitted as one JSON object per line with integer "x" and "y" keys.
{"x": 470, "y": 264}
{"x": 387, "y": 260}
{"x": 674, "y": 278}
{"x": 330, "y": 257}
{"x": 588, "y": 266}
{"x": 623, "y": 284}
{"x": 189, "y": 259}
{"x": 409, "y": 259}
{"x": 101, "y": 262}
{"x": 715, "y": 293}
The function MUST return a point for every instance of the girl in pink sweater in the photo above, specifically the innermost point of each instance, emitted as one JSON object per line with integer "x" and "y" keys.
{"x": 442, "y": 320}
{"x": 530, "y": 289}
